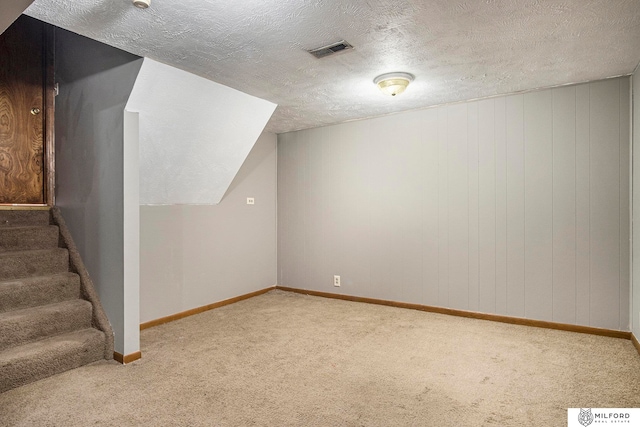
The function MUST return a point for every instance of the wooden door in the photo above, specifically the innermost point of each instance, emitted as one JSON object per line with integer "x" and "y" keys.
{"x": 22, "y": 115}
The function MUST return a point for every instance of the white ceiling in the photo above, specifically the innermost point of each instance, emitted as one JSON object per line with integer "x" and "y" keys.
{"x": 457, "y": 49}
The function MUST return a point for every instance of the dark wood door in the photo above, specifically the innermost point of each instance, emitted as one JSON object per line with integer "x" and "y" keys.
{"x": 22, "y": 89}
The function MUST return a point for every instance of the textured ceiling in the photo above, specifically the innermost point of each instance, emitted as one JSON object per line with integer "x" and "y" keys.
{"x": 456, "y": 49}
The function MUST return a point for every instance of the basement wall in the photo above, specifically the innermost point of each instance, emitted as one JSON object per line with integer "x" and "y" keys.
{"x": 10, "y": 11}
{"x": 95, "y": 82}
{"x": 515, "y": 205}
{"x": 191, "y": 256}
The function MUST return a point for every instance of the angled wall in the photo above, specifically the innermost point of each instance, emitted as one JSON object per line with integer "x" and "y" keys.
{"x": 515, "y": 205}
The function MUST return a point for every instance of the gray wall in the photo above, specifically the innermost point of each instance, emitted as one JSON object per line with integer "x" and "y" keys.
{"x": 191, "y": 256}
{"x": 95, "y": 82}
{"x": 516, "y": 205}
{"x": 10, "y": 10}
{"x": 635, "y": 308}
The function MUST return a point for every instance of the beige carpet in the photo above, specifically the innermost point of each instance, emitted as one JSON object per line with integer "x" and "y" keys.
{"x": 284, "y": 359}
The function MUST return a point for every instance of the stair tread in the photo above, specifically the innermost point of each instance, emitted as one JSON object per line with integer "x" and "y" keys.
{"x": 31, "y": 279}
{"x": 35, "y": 262}
{"x": 30, "y": 252}
{"x": 17, "y": 294}
{"x": 36, "y": 323}
{"x": 28, "y": 237}
{"x": 12, "y": 218}
{"x": 40, "y": 359}
{"x": 44, "y": 309}
{"x": 46, "y": 344}
{"x": 10, "y": 228}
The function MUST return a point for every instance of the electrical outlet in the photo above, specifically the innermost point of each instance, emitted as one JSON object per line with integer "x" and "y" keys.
{"x": 251, "y": 201}
{"x": 336, "y": 280}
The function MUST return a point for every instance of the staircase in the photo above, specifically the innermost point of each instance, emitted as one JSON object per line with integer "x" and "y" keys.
{"x": 46, "y": 327}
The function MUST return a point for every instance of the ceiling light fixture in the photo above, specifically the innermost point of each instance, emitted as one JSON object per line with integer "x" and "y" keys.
{"x": 393, "y": 83}
{"x": 141, "y": 4}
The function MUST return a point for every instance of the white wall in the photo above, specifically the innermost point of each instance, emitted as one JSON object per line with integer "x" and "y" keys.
{"x": 194, "y": 134}
{"x": 635, "y": 308}
{"x": 131, "y": 232}
{"x": 191, "y": 256}
{"x": 516, "y": 205}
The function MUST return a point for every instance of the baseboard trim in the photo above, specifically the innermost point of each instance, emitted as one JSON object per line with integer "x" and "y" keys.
{"x": 635, "y": 342}
{"x": 471, "y": 314}
{"x": 124, "y": 359}
{"x": 202, "y": 309}
{"x": 432, "y": 309}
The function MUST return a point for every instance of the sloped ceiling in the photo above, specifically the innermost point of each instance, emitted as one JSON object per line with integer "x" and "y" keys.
{"x": 194, "y": 134}
{"x": 457, "y": 49}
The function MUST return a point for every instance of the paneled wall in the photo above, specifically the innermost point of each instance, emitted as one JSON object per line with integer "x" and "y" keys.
{"x": 515, "y": 205}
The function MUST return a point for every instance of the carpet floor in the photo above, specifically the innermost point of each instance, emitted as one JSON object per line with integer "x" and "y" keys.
{"x": 284, "y": 359}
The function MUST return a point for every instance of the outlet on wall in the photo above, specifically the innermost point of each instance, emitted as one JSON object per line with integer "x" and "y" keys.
{"x": 251, "y": 201}
{"x": 336, "y": 280}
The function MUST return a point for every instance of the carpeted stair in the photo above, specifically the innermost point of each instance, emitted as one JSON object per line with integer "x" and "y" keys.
{"x": 45, "y": 325}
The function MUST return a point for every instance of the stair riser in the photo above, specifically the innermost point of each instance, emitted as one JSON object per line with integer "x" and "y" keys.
{"x": 20, "y": 327}
{"x": 28, "y": 238}
{"x": 45, "y": 328}
{"x": 34, "y": 263}
{"x": 18, "y": 218}
{"x": 49, "y": 357}
{"x": 32, "y": 292}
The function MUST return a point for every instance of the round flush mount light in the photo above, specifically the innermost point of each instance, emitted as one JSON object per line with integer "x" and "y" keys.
{"x": 141, "y": 4}
{"x": 393, "y": 83}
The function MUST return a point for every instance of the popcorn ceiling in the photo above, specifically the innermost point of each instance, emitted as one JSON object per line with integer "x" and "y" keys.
{"x": 457, "y": 50}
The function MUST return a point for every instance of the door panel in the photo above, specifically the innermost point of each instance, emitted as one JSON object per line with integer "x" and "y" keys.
{"x": 22, "y": 83}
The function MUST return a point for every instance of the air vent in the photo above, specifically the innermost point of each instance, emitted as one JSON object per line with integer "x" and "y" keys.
{"x": 321, "y": 52}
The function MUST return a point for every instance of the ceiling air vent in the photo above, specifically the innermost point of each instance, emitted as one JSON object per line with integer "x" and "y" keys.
{"x": 321, "y": 52}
